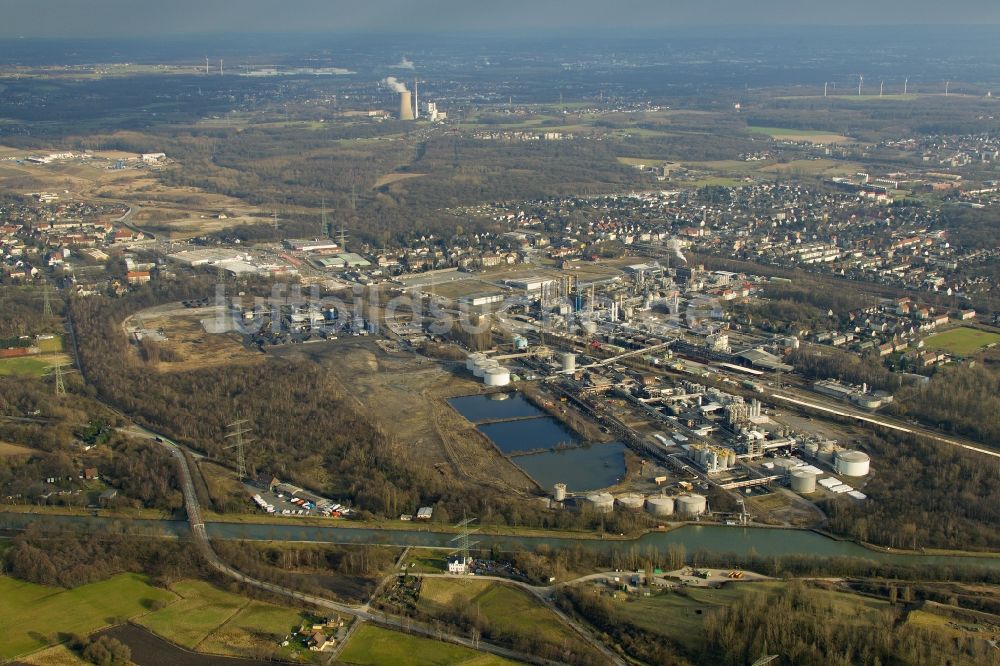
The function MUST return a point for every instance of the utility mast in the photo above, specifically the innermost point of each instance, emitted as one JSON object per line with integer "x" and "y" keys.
{"x": 238, "y": 430}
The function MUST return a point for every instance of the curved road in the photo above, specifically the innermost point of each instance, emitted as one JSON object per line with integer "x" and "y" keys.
{"x": 362, "y": 612}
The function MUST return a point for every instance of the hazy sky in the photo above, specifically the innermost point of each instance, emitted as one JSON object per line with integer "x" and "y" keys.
{"x": 93, "y": 18}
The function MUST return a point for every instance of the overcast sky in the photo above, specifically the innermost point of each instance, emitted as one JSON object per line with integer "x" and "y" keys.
{"x": 98, "y": 18}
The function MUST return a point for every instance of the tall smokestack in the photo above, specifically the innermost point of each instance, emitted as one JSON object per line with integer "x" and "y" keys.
{"x": 405, "y": 105}
{"x": 416, "y": 99}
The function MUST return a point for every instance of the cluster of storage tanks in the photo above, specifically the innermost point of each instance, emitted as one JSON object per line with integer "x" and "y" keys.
{"x": 688, "y": 505}
{"x": 844, "y": 461}
{"x": 487, "y": 369}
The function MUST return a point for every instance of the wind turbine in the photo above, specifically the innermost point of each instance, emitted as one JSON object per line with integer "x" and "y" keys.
{"x": 861, "y": 83}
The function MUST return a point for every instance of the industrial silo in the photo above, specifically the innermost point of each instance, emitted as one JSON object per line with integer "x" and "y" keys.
{"x": 560, "y": 492}
{"x": 601, "y": 502}
{"x": 660, "y": 506}
{"x": 497, "y": 376}
{"x": 630, "y": 501}
{"x": 852, "y": 463}
{"x": 690, "y": 504}
{"x": 569, "y": 362}
{"x": 803, "y": 481}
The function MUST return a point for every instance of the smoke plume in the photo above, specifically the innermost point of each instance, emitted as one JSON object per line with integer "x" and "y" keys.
{"x": 404, "y": 63}
{"x": 394, "y": 84}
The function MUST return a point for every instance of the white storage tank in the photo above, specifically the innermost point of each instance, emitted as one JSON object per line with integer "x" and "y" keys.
{"x": 497, "y": 376}
{"x": 472, "y": 360}
{"x": 690, "y": 504}
{"x": 852, "y": 463}
{"x": 811, "y": 448}
{"x": 589, "y": 327}
{"x": 484, "y": 365}
{"x": 560, "y": 492}
{"x": 660, "y": 506}
{"x": 569, "y": 362}
{"x": 803, "y": 481}
{"x": 631, "y": 501}
{"x": 601, "y": 502}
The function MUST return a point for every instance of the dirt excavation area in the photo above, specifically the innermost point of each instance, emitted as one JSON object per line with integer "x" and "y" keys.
{"x": 406, "y": 395}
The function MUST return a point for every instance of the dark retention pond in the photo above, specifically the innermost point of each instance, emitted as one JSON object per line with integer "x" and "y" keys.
{"x": 494, "y": 406}
{"x": 587, "y": 468}
{"x": 560, "y": 456}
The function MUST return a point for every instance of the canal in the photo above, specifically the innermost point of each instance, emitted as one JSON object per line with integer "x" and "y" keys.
{"x": 772, "y": 542}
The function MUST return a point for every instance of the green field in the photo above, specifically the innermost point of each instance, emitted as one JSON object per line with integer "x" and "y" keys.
{"x": 506, "y": 607}
{"x": 813, "y": 136}
{"x": 32, "y": 366}
{"x": 962, "y": 341}
{"x": 258, "y": 628}
{"x": 201, "y": 610}
{"x": 681, "y": 617}
{"x": 53, "y": 346}
{"x": 33, "y": 615}
{"x": 377, "y": 646}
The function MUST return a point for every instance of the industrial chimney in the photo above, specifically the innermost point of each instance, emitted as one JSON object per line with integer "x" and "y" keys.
{"x": 405, "y": 106}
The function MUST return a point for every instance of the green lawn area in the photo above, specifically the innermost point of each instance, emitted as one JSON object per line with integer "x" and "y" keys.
{"x": 30, "y": 614}
{"x": 377, "y": 646}
{"x": 504, "y": 606}
{"x": 815, "y": 136}
{"x": 201, "y": 610}
{"x": 53, "y": 346}
{"x": 962, "y": 341}
{"x": 681, "y": 618}
{"x": 258, "y": 628}
{"x": 33, "y": 366}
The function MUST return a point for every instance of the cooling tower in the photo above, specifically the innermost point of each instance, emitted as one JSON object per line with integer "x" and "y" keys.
{"x": 405, "y": 106}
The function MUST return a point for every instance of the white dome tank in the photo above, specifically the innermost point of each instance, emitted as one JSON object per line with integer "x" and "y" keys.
{"x": 497, "y": 376}
{"x": 660, "y": 506}
{"x": 803, "y": 481}
{"x": 472, "y": 360}
{"x": 631, "y": 501}
{"x": 484, "y": 365}
{"x": 852, "y": 463}
{"x": 601, "y": 502}
{"x": 690, "y": 505}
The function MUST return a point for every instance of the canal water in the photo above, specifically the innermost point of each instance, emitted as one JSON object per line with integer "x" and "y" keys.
{"x": 564, "y": 458}
{"x": 710, "y": 538}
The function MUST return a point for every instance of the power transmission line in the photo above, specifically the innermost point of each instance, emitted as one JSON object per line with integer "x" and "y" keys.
{"x": 239, "y": 429}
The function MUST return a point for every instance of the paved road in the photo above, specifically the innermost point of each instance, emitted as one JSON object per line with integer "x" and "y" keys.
{"x": 362, "y": 612}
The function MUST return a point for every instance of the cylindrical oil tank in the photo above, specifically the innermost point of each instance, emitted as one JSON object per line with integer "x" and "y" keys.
{"x": 660, "y": 506}
{"x": 631, "y": 501}
{"x": 852, "y": 463}
{"x": 560, "y": 492}
{"x": 784, "y": 465}
{"x": 811, "y": 448}
{"x": 690, "y": 504}
{"x": 601, "y": 502}
{"x": 520, "y": 342}
{"x": 472, "y": 360}
{"x": 569, "y": 362}
{"x": 589, "y": 327}
{"x": 497, "y": 376}
{"x": 803, "y": 481}
{"x": 483, "y": 366}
